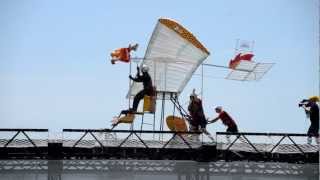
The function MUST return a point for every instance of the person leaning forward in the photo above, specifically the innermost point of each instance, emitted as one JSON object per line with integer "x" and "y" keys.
{"x": 226, "y": 120}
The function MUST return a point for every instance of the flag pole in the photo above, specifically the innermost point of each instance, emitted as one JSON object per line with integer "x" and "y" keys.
{"x": 129, "y": 95}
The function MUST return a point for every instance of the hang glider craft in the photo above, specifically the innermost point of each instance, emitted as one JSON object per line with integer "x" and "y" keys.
{"x": 173, "y": 55}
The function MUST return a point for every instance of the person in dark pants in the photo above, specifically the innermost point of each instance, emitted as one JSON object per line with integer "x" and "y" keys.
{"x": 198, "y": 118}
{"x": 196, "y": 112}
{"x": 226, "y": 120}
{"x": 312, "y": 111}
{"x": 147, "y": 86}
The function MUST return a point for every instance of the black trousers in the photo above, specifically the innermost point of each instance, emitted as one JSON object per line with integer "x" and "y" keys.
{"x": 233, "y": 129}
{"x": 313, "y": 130}
{"x": 138, "y": 98}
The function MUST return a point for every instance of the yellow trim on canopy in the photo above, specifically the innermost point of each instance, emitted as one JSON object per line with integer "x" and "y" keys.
{"x": 184, "y": 33}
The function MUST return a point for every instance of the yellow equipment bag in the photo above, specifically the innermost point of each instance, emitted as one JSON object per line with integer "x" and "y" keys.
{"x": 149, "y": 104}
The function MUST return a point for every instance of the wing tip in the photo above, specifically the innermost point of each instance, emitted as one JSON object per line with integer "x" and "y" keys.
{"x": 183, "y": 32}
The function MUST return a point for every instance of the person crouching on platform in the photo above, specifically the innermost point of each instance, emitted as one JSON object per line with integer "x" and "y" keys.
{"x": 147, "y": 86}
{"x": 197, "y": 115}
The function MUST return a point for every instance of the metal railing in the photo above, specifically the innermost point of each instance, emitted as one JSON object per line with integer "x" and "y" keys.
{"x": 17, "y": 142}
{"x": 24, "y": 132}
{"x": 172, "y": 136}
{"x": 271, "y": 147}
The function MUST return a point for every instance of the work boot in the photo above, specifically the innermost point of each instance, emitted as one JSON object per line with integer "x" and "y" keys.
{"x": 125, "y": 112}
{"x": 131, "y": 111}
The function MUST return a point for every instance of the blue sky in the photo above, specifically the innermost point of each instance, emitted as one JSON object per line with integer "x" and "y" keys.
{"x": 55, "y": 71}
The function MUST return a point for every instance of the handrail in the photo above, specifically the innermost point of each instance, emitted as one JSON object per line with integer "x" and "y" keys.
{"x": 129, "y": 131}
{"x": 23, "y": 129}
{"x": 262, "y": 134}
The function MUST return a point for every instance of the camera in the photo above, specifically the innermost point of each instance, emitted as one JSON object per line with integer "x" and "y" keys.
{"x": 303, "y": 102}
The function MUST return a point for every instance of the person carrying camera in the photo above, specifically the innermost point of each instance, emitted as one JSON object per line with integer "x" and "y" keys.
{"x": 312, "y": 111}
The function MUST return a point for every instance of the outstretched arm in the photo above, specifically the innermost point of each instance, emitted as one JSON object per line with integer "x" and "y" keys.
{"x": 306, "y": 110}
{"x": 213, "y": 120}
{"x": 138, "y": 77}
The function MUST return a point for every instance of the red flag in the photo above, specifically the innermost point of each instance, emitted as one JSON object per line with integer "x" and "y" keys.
{"x": 240, "y": 57}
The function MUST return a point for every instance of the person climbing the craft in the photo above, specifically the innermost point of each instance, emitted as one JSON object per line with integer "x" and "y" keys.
{"x": 123, "y": 54}
{"x": 312, "y": 111}
{"x": 226, "y": 120}
{"x": 147, "y": 86}
{"x": 147, "y": 90}
{"x": 198, "y": 118}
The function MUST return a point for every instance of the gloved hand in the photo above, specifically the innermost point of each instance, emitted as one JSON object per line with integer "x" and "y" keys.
{"x": 130, "y": 77}
{"x": 188, "y": 118}
{"x": 138, "y": 69}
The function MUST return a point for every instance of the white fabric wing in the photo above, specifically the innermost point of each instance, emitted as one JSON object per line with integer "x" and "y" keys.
{"x": 249, "y": 71}
{"x": 173, "y": 54}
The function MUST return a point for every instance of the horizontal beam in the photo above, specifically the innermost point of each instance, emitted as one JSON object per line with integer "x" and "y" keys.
{"x": 149, "y": 131}
{"x": 214, "y": 65}
{"x": 29, "y": 130}
{"x": 261, "y": 134}
{"x": 129, "y": 131}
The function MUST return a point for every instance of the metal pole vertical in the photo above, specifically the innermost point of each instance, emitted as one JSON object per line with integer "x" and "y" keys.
{"x": 202, "y": 82}
{"x": 162, "y": 113}
{"x": 164, "y": 105}
{"x": 163, "y": 97}
{"x": 142, "y": 119}
{"x": 154, "y": 124}
{"x": 154, "y": 117}
{"x": 154, "y": 84}
{"x": 174, "y": 107}
{"x": 129, "y": 95}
